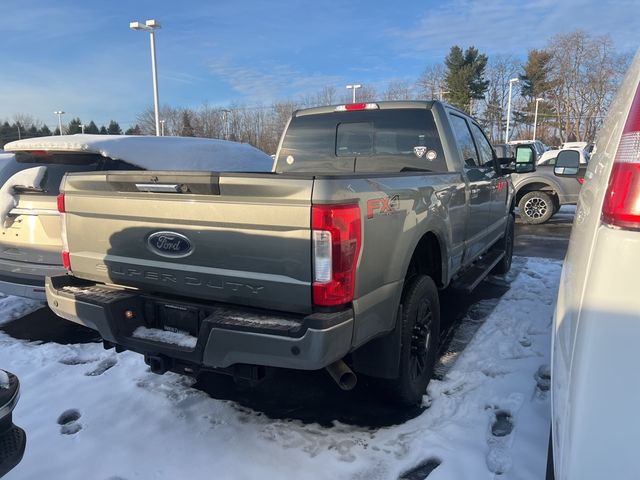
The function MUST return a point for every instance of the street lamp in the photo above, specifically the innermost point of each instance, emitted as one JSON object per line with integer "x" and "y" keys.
{"x": 535, "y": 118}
{"x": 151, "y": 26}
{"x": 59, "y": 113}
{"x": 162, "y": 128}
{"x": 506, "y": 134}
{"x": 353, "y": 88}
{"x": 81, "y": 127}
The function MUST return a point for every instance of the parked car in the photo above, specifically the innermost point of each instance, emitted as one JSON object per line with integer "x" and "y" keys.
{"x": 540, "y": 194}
{"x": 238, "y": 272}
{"x": 30, "y": 242}
{"x": 549, "y": 157}
{"x": 539, "y": 147}
{"x": 596, "y": 326}
{"x": 13, "y": 440}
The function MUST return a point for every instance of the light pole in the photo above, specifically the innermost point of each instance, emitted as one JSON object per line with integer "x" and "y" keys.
{"x": 535, "y": 118}
{"x": 151, "y": 26}
{"x": 59, "y": 113}
{"x": 81, "y": 127}
{"x": 506, "y": 134}
{"x": 225, "y": 121}
{"x": 353, "y": 88}
{"x": 162, "y": 128}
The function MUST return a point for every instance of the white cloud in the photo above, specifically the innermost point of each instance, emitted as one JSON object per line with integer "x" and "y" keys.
{"x": 508, "y": 27}
{"x": 270, "y": 81}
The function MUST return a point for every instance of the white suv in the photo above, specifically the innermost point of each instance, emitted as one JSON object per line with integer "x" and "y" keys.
{"x": 596, "y": 354}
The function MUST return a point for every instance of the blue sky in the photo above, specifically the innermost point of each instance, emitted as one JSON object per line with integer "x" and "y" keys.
{"x": 82, "y": 57}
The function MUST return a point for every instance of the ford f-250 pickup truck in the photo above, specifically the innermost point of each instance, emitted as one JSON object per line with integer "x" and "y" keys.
{"x": 333, "y": 260}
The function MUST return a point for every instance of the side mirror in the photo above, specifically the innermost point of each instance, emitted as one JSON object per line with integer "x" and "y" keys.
{"x": 526, "y": 159}
{"x": 567, "y": 163}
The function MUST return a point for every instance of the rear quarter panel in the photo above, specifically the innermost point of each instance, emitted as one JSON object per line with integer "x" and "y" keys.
{"x": 421, "y": 203}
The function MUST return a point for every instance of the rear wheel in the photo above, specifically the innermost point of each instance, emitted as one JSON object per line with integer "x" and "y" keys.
{"x": 506, "y": 244}
{"x": 536, "y": 207}
{"x": 420, "y": 339}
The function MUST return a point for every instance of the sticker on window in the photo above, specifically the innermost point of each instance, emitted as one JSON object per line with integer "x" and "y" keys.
{"x": 431, "y": 155}
{"x": 420, "y": 151}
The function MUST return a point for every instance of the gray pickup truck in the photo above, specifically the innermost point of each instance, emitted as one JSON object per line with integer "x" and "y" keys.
{"x": 333, "y": 260}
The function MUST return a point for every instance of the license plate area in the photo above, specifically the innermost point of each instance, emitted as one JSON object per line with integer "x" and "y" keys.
{"x": 178, "y": 318}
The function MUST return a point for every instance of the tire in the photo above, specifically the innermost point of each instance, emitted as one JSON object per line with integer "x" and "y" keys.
{"x": 420, "y": 338}
{"x": 536, "y": 207}
{"x": 556, "y": 206}
{"x": 506, "y": 244}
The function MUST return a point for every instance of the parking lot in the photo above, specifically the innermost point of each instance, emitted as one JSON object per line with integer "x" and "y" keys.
{"x": 486, "y": 412}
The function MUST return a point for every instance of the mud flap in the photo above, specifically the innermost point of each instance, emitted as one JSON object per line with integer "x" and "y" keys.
{"x": 380, "y": 358}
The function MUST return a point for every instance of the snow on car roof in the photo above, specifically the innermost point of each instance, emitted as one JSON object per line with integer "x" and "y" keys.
{"x": 157, "y": 153}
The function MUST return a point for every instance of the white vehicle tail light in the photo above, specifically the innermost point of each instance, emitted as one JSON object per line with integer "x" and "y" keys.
{"x": 337, "y": 237}
{"x": 66, "y": 259}
{"x": 621, "y": 206}
{"x": 350, "y": 107}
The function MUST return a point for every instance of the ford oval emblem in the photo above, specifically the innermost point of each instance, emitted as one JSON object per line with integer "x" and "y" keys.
{"x": 169, "y": 244}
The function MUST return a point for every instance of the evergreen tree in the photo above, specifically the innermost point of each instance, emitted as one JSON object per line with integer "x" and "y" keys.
{"x": 74, "y": 126}
{"x": 92, "y": 128}
{"x": 103, "y": 130}
{"x": 134, "y": 130}
{"x": 535, "y": 79}
{"x": 187, "y": 129}
{"x": 465, "y": 76}
{"x": 44, "y": 131}
{"x": 114, "y": 128}
{"x": 56, "y": 131}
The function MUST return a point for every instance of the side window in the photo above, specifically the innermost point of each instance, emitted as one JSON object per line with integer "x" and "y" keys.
{"x": 484, "y": 147}
{"x": 463, "y": 136}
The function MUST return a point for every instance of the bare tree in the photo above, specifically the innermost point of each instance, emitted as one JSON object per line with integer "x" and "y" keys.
{"x": 430, "y": 85}
{"x": 586, "y": 73}
{"x": 399, "y": 90}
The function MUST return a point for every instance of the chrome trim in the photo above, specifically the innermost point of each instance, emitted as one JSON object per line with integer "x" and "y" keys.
{"x": 158, "y": 187}
{"x": 33, "y": 211}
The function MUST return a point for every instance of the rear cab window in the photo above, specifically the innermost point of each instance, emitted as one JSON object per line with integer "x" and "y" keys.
{"x": 57, "y": 164}
{"x": 386, "y": 140}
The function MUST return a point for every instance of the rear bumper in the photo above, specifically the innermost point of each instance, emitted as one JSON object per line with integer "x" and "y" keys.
{"x": 26, "y": 279}
{"x": 227, "y": 335}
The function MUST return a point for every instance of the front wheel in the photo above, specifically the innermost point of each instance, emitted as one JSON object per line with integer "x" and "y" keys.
{"x": 536, "y": 207}
{"x": 420, "y": 339}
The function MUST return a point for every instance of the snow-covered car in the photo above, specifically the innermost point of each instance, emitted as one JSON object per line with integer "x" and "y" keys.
{"x": 12, "y": 439}
{"x": 30, "y": 241}
{"x": 596, "y": 327}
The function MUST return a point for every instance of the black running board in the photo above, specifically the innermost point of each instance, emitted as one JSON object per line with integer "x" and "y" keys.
{"x": 471, "y": 277}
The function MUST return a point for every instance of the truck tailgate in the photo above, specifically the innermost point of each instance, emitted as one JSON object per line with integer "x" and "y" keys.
{"x": 236, "y": 238}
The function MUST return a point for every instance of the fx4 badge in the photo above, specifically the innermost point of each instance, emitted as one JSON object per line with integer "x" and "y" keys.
{"x": 383, "y": 205}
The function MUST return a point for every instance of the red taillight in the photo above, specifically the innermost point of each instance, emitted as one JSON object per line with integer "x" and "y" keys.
{"x": 580, "y": 180}
{"x": 351, "y": 107}
{"x": 621, "y": 206}
{"x": 66, "y": 260}
{"x": 60, "y": 201}
{"x": 337, "y": 237}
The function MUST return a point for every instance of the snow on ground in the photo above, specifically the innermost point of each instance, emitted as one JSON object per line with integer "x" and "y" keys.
{"x": 91, "y": 413}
